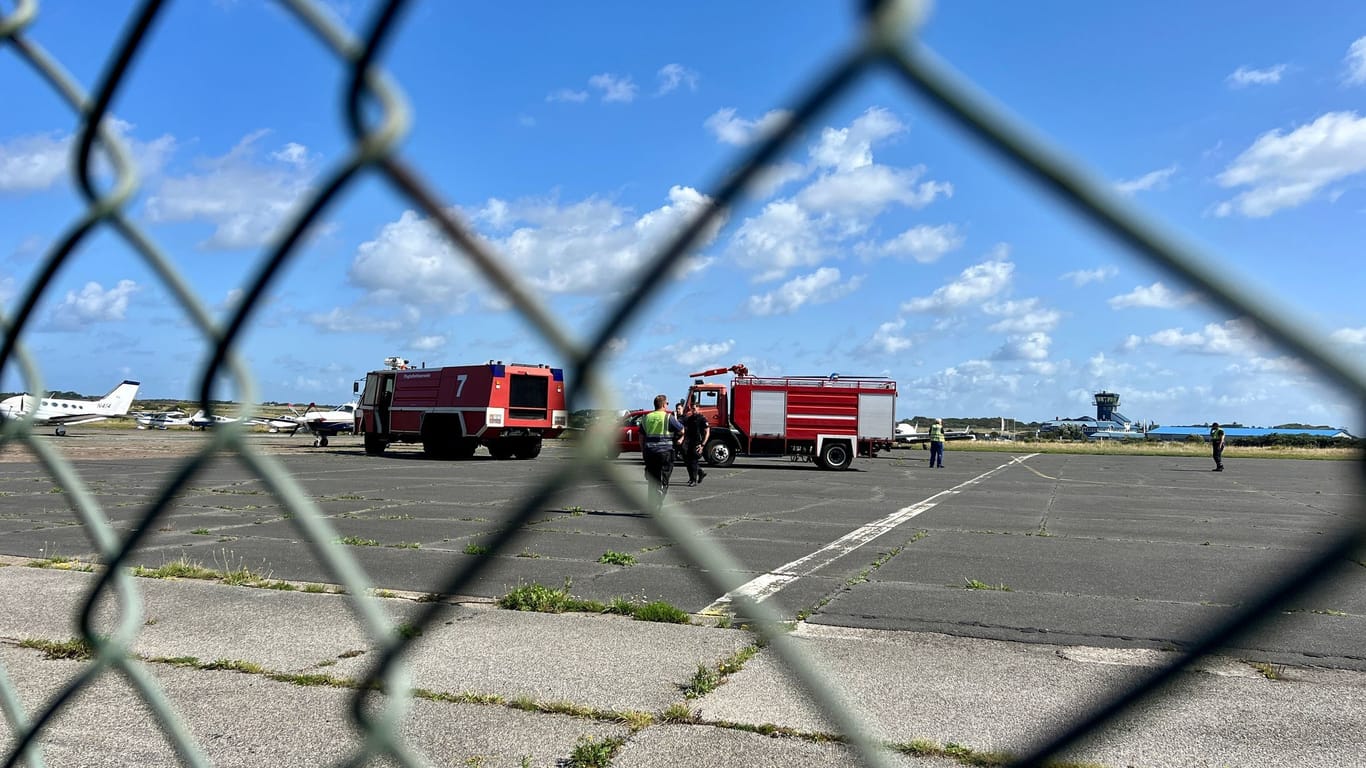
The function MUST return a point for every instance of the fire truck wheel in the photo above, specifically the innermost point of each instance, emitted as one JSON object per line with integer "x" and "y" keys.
{"x": 465, "y": 447}
{"x": 719, "y": 454}
{"x": 836, "y": 456}
{"x": 500, "y": 451}
{"x": 529, "y": 449}
{"x": 374, "y": 444}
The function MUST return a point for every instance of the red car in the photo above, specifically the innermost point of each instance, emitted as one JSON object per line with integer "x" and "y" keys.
{"x": 628, "y": 436}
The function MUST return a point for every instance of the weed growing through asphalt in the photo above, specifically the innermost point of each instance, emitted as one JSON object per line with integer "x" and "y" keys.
{"x": 407, "y": 545}
{"x": 528, "y": 554}
{"x": 75, "y": 649}
{"x": 678, "y": 713}
{"x": 704, "y": 681}
{"x": 201, "y": 532}
{"x": 543, "y": 599}
{"x": 1269, "y": 671}
{"x": 617, "y": 558}
{"x": 593, "y": 753}
{"x": 658, "y": 610}
{"x": 180, "y": 568}
{"x": 356, "y": 541}
{"x": 975, "y": 584}
{"x": 314, "y": 589}
{"x": 476, "y": 549}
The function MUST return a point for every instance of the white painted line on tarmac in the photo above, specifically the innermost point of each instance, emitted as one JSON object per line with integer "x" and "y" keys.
{"x": 766, "y": 585}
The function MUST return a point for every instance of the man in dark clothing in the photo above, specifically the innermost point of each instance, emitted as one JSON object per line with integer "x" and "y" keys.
{"x": 659, "y": 431}
{"x": 1216, "y": 439}
{"x": 696, "y": 430}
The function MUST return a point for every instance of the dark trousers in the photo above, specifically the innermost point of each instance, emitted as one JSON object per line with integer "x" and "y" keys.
{"x": 692, "y": 459}
{"x": 659, "y": 465}
{"x": 936, "y": 454}
{"x": 1218, "y": 456}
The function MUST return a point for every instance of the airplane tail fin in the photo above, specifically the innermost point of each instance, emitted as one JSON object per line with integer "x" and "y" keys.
{"x": 117, "y": 402}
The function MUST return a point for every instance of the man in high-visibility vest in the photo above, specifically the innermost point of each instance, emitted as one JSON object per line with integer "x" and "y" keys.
{"x": 937, "y": 443}
{"x": 659, "y": 431}
{"x": 1216, "y": 440}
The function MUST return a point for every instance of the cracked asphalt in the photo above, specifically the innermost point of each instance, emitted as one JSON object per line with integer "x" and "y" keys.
{"x": 1105, "y": 551}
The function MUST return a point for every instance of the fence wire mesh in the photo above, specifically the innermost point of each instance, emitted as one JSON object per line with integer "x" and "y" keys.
{"x": 886, "y": 48}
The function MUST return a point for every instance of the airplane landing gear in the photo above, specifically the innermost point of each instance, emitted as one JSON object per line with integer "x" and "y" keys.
{"x": 320, "y": 441}
{"x": 59, "y": 431}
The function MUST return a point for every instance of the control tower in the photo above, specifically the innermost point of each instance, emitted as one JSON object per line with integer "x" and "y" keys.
{"x": 1106, "y": 403}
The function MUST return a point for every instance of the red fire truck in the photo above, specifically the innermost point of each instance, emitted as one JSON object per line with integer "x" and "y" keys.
{"x": 454, "y": 410}
{"x": 825, "y": 419}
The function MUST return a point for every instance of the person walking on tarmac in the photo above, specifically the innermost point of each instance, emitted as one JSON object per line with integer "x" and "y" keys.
{"x": 1216, "y": 440}
{"x": 696, "y": 431}
{"x": 659, "y": 432}
{"x": 937, "y": 443}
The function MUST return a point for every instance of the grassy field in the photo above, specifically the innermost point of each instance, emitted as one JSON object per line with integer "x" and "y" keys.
{"x": 1153, "y": 448}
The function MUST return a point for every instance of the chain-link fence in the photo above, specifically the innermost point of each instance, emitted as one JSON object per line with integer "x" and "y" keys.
{"x": 885, "y": 48}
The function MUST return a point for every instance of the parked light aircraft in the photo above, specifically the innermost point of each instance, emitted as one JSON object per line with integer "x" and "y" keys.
{"x": 202, "y": 421}
{"x": 907, "y": 434}
{"x": 59, "y": 413}
{"x": 162, "y": 419}
{"x": 321, "y": 424}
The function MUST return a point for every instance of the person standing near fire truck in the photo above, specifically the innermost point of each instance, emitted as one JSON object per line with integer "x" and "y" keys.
{"x": 937, "y": 444}
{"x": 660, "y": 430}
{"x": 696, "y": 430}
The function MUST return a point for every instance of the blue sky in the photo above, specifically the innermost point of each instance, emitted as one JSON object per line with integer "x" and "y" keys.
{"x": 575, "y": 139}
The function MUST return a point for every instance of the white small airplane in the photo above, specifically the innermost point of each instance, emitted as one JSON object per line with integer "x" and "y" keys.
{"x": 907, "y": 434}
{"x": 59, "y": 413}
{"x": 162, "y": 420}
{"x": 321, "y": 424}
{"x": 201, "y": 421}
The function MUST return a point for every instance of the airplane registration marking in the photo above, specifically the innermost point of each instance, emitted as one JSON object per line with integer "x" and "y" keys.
{"x": 766, "y": 585}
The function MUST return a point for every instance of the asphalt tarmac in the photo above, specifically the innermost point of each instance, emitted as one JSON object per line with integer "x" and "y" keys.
{"x": 1106, "y": 551}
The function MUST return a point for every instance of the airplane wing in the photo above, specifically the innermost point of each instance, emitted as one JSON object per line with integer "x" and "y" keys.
{"x": 67, "y": 420}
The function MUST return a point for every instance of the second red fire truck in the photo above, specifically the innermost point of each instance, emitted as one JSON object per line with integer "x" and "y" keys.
{"x": 508, "y": 409}
{"x": 828, "y": 419}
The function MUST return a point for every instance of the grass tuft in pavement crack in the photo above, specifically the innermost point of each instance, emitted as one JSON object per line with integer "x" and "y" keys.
{"x": 593, "y": 753}
{"x": 542, "y": 599}
{"x": 75, "y": 649}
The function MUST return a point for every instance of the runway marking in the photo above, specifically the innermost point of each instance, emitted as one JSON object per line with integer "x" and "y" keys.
{"x": 766, "y": 585}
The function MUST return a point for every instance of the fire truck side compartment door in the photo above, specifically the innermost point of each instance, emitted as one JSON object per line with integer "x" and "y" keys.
{"x": 768, "y": 414}
{"x": 876, "y": 417}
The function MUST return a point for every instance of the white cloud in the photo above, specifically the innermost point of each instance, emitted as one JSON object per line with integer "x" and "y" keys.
{"x": 1155, "y": 296}
{"x": 1285, "y": 170}
{"x": 700, "y": 354}
{"x": 674, "y": 76}
{"x": 591, "y": 247}
{"x": 427, "y": 343}
{"x": 292, "y": 153}
{"x": 888, "y": 338}
{"x": 92, "y": 304}
{"x": 1356, "y": 63}
{"x": 819, "y": 287}
{"x": 31, "y": 163}
{"x": 342, "y": 321}
{"x": 568, "y": 95}
{"x": 867, "y": 190}
{"x": 37, "y": 162}
{"x": 1082, "y": 277}
{"x": 246, "y": 200}
{"x": 923, "y": 243}
{"x": 975, "y": 284}
{"x": 849, "y": 148}
{"x": 1025, "y": 316}
{"x": 849, "y": 192}
{"x": 736, "y": 131}
{"x": 780, "y": 238}
{"x": 1027, "y": 346}
{"x": 1244, "y": 76}
{"x": 1355, "y": 337}
{"x": 614, "y": 88}
{"x": 1234, "y": 337}
{"x": 1099, "y": 366}
{"x": 1149, "y": 181}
